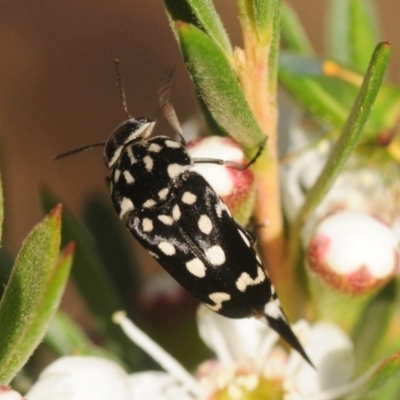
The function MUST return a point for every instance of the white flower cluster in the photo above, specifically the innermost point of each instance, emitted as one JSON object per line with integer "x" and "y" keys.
{"x": 248, "y": 361}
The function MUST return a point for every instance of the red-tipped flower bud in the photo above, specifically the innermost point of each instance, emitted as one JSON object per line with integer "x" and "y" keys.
{"x": 235, "y": 187}
{"x": 353, "y": 252}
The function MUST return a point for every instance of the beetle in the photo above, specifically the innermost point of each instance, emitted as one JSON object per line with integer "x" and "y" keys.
{"x": 180, "y": 220}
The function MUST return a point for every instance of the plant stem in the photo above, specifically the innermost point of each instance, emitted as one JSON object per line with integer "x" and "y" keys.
{"x": 256, "y": 76}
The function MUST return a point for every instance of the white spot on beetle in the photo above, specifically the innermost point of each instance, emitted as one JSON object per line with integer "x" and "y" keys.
{"x": 215, "y": 255}
{"x": 167, "y": 248}
{"x": 218, "y": 298}
{"x": 246, "y": 280}
{"x": 175, "y": 170}
{"x": 172, "y": 144}
{"x": 128, "y": 177}
{"x": 218, "y": 209}
{"x": 147, "y": 225}
{"x": 126, "y": 206}
{"x": 196, "y": 267}
{"x": 205, "y": 224}
{"x": 155, "y": 148}
{"x": 132, "y": 158}
{"x": 166, "y": 219}
{"x": 189, "y": 198}
{"x": 163, "y": 193}
{"x": 176, "y": 213}
{"x": 273, "y": 310}
{"x": 117, "y": 174}
{"x": 148, "y": 163}
{"x": 149, "y": 203}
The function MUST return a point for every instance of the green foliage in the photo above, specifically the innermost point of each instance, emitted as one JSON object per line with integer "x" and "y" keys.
{"x": 32, "y": 294}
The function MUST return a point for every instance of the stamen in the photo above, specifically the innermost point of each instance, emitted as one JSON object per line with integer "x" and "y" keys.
{"x": 165, "y": 360}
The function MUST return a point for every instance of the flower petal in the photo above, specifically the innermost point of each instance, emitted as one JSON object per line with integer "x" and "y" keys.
{"x": 6, "y": 393}
{"x": 235, "y": 340}
{"x": 331, "y": 351}
{"x": 156, "y": 385}
{"x": 81, "y": 378}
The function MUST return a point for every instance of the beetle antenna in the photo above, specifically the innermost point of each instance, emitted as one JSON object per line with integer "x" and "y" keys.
{"x": 78, "y": 150}
{"x": 120, "y": 85}
{"x": 164, "y": 91}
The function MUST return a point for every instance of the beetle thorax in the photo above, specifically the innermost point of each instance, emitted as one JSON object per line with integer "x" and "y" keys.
{"x": 146, "y": 173}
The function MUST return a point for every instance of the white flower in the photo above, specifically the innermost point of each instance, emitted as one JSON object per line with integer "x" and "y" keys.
{"x": 353, "y": 251}
{"x": 95, "y": 378}
{"x": 6, "y": 393}
{"x": 81, "y": 378}
{"x": 249, "y": 362}
{"x": 247, "y": 353}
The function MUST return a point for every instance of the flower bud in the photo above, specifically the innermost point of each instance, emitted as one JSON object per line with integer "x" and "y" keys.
{"x": 353, "y": 252}
{"x": 235, "y": 187}
{"x": 6, "y": 393}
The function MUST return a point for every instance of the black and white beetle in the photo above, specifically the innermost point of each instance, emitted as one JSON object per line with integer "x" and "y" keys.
{"x": 180, "y": 220}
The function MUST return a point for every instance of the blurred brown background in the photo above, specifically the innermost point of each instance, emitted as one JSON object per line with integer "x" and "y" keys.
{"x": 57, "y": 87}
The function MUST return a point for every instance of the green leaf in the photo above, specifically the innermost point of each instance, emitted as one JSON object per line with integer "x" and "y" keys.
{"x": 345, "y": 144}
{"x": 219, "y": 87}
{"x": 202, "y": 14}
{"x": 387, "y": 371}
{"x": 274, "y": 43}
{"x": 386, "y": 112}
{"x": 352, "y": 32}
{"x": 110, "y": 238}
{"x": 65, "y": 337}
{"x": 293, "y": 34}
{"x": 265, "y": 12}
{"x": 93, "y": 282}
{"x": 32, "y": 295}
{"x": 354, "y": 126}
{"x": 372, "y": 325}
{"x": 258, "y": 16}
{"x": 330, "y": 98}
{"x": 261, "y": 23}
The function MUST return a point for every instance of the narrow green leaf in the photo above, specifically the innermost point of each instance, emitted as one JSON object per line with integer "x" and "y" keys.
{"x": 347, "y": 141}
{"x": 261, "y": 25}
{"x": 327, "y": 98}
{"x": 93, "y": 282}
{"x": 330, "y": 98}
{"x": 352, "y": 32}
{"x": 246, "y": 15}
{"x": 293, "y": 34}
{"x": 258, "y": 16}
{"x": 32, "y": 294}
{"x": 363, "y": 32}
{"x": 65, "y": 337}
{"x": 202, "y": 14}
{"x": 274, "y": 44}
{"x": 112, "y": 246}
{"x": 336, "y": 37}
{"x": 372, "y": 325}
{"x": 219, "y": 87}
{"x": 386, "y": 112}
{"x": 265, "y": 12}
{"x": 386, "y": 372}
